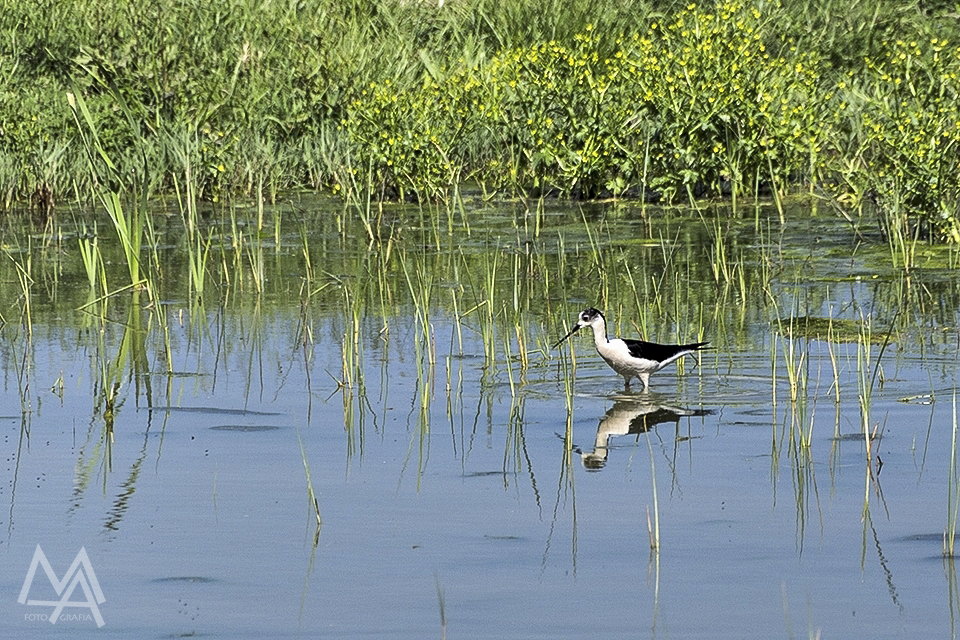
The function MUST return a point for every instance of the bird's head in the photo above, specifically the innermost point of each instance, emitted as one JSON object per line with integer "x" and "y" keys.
{"x": 587, "y": 318}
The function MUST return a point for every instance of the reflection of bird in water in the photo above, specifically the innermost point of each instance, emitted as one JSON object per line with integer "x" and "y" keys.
{"x": 630, "y": 358}
{"x": 631, "y": 417}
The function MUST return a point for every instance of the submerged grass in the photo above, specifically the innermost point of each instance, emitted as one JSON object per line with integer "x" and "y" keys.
{"x": 311, "y": 494}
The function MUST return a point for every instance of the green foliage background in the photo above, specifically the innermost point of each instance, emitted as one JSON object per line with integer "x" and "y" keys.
{"x": 852, "y": 101}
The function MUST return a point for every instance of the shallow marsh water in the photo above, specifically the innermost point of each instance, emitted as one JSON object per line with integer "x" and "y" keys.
{"x": 467, "y": 492}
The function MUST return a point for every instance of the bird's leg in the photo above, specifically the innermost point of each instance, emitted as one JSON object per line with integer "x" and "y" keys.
{"x": 646, "y": 382}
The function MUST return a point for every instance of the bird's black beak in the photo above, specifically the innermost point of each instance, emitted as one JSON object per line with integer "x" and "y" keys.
{"x": 576, "y": 328}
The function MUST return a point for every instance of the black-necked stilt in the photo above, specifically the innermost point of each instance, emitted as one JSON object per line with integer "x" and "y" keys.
{"x": 630, "y": 358}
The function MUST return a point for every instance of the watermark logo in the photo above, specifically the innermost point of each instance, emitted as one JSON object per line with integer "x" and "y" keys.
{"x": 80, "y": 573}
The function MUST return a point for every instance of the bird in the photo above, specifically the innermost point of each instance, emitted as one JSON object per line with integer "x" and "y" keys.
{"x": 630, "y": 358}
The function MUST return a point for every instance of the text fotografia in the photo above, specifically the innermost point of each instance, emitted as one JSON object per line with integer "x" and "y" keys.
{"x": 63, "y": 617}
{"x": 80, "y": 574}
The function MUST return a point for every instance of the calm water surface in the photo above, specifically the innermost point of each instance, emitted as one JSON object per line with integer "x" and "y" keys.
{"x": 478, "y": 496}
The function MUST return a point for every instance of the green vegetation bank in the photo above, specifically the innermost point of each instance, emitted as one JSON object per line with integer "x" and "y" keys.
{"x": 855, "y": 102}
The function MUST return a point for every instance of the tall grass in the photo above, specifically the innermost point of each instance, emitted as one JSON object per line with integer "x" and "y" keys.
{"x": 410, "y": 100}
{"x": 130, "y": 223}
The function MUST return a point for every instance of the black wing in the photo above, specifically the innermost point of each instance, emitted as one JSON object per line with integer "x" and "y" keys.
{"x": 660, "y": 352}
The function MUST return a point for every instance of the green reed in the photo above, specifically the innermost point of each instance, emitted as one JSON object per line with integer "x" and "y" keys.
{"x": 485, "y": 293}
{"x": 89, "y": 242}
{"x": 351, "y": 363}
{"x": 185, "y": 188}
{"x": 720, "y": 263}
{"x": 794, "y": 362}
{"x": 256, "y": 263}
{"x": 835, "y": 385}
{"x": 198, "y": 259}
{"x": 790, "y": 351}
{"x": 24, "y": 268}
{"x": 420, "y": 284}
{"x": 869, "y": 373}
{"x": 130, "y": 224}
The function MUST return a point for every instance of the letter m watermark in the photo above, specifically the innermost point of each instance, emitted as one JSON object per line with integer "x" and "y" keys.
{"x": 80, "y": 573}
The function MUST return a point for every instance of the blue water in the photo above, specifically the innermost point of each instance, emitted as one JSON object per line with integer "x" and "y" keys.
{"x": 453, "y": 504}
